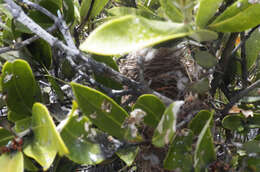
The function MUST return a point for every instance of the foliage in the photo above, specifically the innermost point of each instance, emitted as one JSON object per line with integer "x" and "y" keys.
{"x": 64, "y": 99}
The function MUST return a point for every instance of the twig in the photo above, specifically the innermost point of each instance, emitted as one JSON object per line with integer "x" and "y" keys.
{"x": 240, "y": 95}
{"x": 24, "y": 43}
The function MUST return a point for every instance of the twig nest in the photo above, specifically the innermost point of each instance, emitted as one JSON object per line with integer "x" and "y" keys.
{"x": 167, "y": 70}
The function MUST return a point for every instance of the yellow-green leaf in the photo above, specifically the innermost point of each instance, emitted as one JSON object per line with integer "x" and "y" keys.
{"x": 206, "y": 10}
{"x": 12, "y": 162}
{"x": 171, "y": 11}
{"x": 46, "y": 139}
{"x": 252, "y": 48}
{"x": 130, "y": 33}
{"x": 167, "y": 126}
{"x": 19, "y": 85}
{"x": 239, "y": 17}
{"x": 104, "y": 112}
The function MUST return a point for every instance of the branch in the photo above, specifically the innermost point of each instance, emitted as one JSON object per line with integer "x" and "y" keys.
{"x": 96, "y": 67}
{"x": 240, "y": 95}
{"x": 24, "y": 43}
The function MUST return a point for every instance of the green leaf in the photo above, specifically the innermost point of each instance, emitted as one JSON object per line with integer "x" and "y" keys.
{"x": 98, "y": 6}
{"x": 41, "y": 51}
{"x": 12, "y": 162}
{"x": 206, "y": 10}
{"x": 202, "y": 35}
{"x": 171, "y": 11}
{"x": 106, "y": 81}
{"x": 179, "y": 155}
{"x": 29, "y": 164}
{"x": 5, "y": 136}
{"x": 204, "y": 151}
{"x": 205, "y": 59}
{"x": 167, "y": 126}
{"x": 239, "y": 17}
{"x": 252, "y": 146}
{"x": 201, "y": 86}
{"x": 56, "y": 88}
{"x": 104, "y": 112}
{"x": 68, "y": 7}
{"x": 13, "y": 116}
{"x": 254, "y": 121}
{"x": 84, "y": 8}
{"x": 57, "y": 2}
{"x": 23, "y": 124}
{"x": 128, "y": 155}
{"x": 253, "y": 163}
{"x": 130, "y": 33}
{"x": 19, "y": 85}
{"x": 199, "y": 121}
{"x": 122, "y": 11}
{"x": 252, "y": 48}
{"x": 153, "y": 107}
{"x": 234, "y": 122}
{"x": 46, "y": 141}
{"x": 76, "y": 135}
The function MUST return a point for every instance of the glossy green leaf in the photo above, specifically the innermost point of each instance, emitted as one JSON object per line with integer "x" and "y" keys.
{"x": 19, "y": 85}
{"x": 234, "y": 122}
{"x": 204, "y": 151}
{"x": 13, "y": 116}
{"x": 128, "y": 155}
{"x": 57, "y": 2}
{"x": 153, "y": 107}
{"x": 240, "y": 16}
{"x": 29, "y": 164}
{"x": 202, "y": 35}
{"x": 252, "y": 48}
{"x": 104, "y": 112}
{"x": 122, "y": 11}
{"x": 23, "y": 124}
{"x": 254, "y": 121}
{"x": 205, "y": 59}
{"x": 206, "y": 10}
{"x": 106, "y": 81}
{"x": 179, "y": 155}
{"x": 252, "y": 146}
{"x": 56, "y": 88}
{"x": 97, "y": 7}
{"x": 12, "y": 162}
{"x": 166, "y": 128}
{"x": 199, "y": 121}
{"x": 5, "y": 136}
{"x": 84, "y": 8}
{"x": 68, "y": 7}
{"x": 201, "y": 86}
{"x": 76, "y": 135}
{"x": 46, "y": 141}
{"x": 43, "y": 54}
{"x": 130, "y": 33}
{"x": 171, "y": 11}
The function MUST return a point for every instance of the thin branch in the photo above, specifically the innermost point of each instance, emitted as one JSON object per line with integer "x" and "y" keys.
{"x": 24, "y": 43}
{"x": 240, "y": 95}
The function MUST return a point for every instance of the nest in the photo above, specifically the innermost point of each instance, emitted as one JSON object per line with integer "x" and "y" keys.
{"x": 167, "y": 70}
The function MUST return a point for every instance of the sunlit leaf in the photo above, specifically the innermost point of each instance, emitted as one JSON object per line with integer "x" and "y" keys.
{"x": 204, "y": 151}
{"x": 171, "y": 11}
{"x": 240, "y": 16}
{"x": 153, "y": 107}
{"x": 23, "y": 124}
{"x": 202, "y": 35}
{"x": 206, "y": 10}
{"x": 128, "y": 155}
{"x": 179, "y": 155}
{"x": 252, "y": 48}
{"x": 46, "y": 140}
{"x": 130, "y": 33}
{"x": 104, "y": 112}
{"x": 19, "y": 85}
{"x": 5, "y": 136}
{"x": 122, "y": 11}
{"x": 167, "y": 126}
{"x": 11, "y": 162}
{"x": 76, "y": 135}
